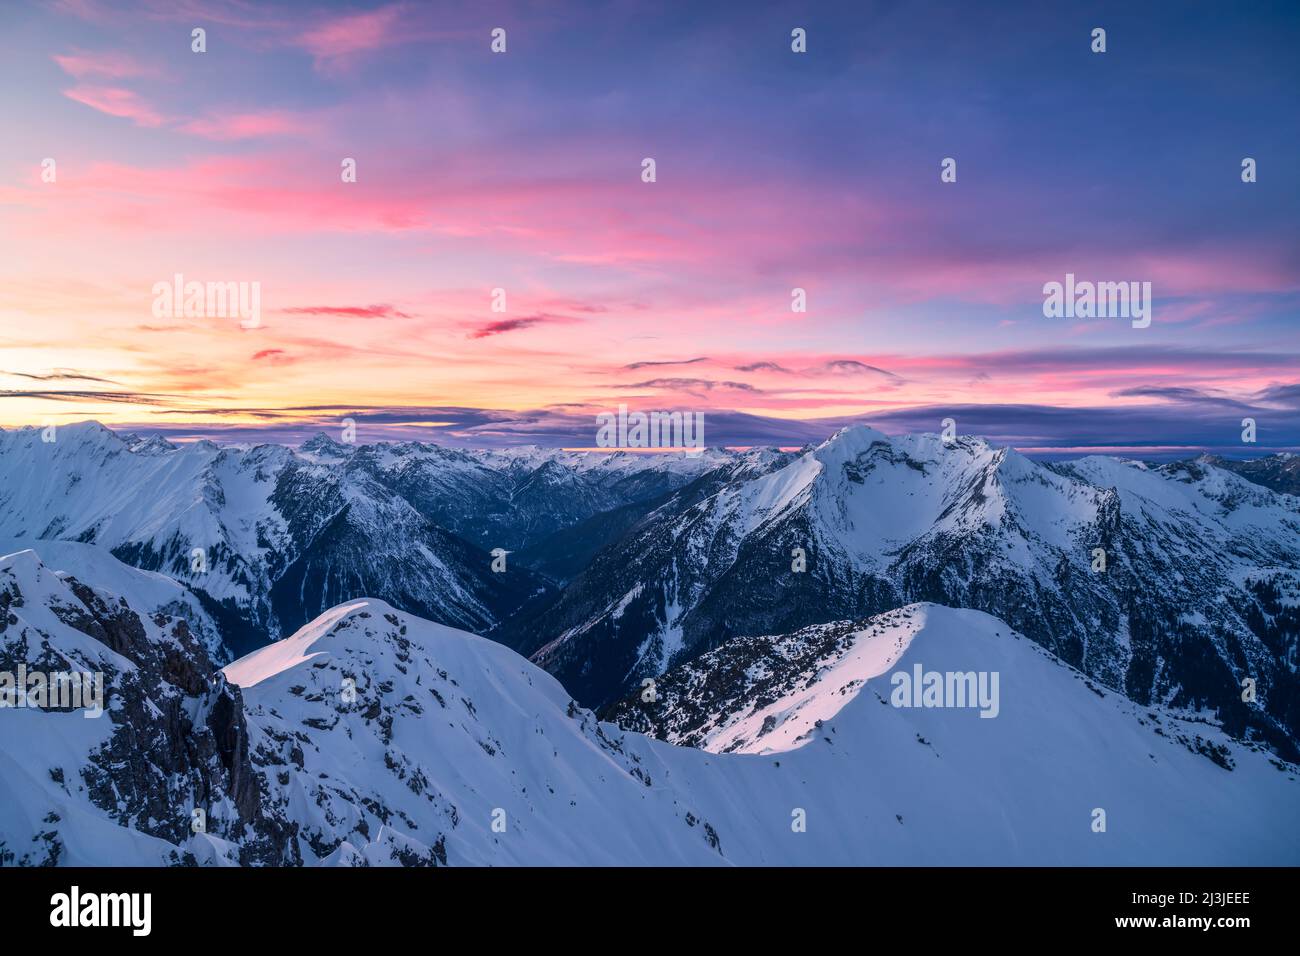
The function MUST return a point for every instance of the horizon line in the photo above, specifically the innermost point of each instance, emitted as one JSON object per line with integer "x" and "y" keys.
{"x": 182, "y": 436}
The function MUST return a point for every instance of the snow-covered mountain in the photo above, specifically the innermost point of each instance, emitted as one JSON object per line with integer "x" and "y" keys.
{"x": 1280, "y": 472}
{"x": 120, "y": 788}
{"x": 374, "y": 737}
{"x": 153, "y": 593}
{"x": 268, "y": 537}
{"x": 513, "y": 498}
{"x": 1199, "y": 592}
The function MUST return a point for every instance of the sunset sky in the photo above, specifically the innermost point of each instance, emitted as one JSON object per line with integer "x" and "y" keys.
{"x": 775, "y": 170}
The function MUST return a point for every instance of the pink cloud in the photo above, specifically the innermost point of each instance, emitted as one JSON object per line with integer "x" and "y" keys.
{"x": 354, "y": 33}
{"x": 276, "y": 357}
{"x": 107, "y": 64}
{"x": 349, "y": 311}
{"x": 116, "y": 101}
{"x": 246, "y": 125}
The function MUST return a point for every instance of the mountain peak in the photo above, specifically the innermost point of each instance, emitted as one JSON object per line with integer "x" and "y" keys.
{"x": 322, "y": 444}
{"x": 153, "y": 445}
{"x": 282, "y": 655}
{"x": 850, "y": 441}
{"x": 89, "y": 431}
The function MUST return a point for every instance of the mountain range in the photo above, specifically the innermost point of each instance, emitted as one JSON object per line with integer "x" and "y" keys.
{"x": 1198, "y": 593}
{"x": 268, "y": 537}
{"x": 289, "y": 639}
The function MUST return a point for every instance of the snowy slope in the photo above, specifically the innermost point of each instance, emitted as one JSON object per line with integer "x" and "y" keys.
{"x": 449, "y": 733}
{"x": 1201, "y": 591}
{"x": 448, "y": 727}
{"x": 933, "y": 786}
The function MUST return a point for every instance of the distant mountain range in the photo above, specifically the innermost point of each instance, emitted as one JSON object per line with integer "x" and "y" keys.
{"x": 284, "y": 534}
{"x": 1281, "y": 472}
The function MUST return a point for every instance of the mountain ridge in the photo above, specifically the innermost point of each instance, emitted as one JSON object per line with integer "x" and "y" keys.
{"x": 371, "y": 737}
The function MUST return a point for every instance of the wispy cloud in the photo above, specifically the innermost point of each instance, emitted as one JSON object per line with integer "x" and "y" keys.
{"x": 636, "y": 365}
{"x": 237, "y": 126}
{"x": 128, "y": 398}
{"x": 61, "y": 375}
{"x": 116, "y": 101}
{"x": 226, "y": 166}
{"x": 382, "y": 311}
{"x": 106, "y": 64}
{"x": 501, "y": 326}
{"x": 1179, "y": 394}
{"x": 273, "y": 356}
{"x": 693, "y": 386}
{"x": 339, "y": 41}
{"x": 851, "y": 367}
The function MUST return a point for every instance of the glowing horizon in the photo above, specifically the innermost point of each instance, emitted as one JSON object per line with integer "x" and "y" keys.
{"x": 522, "y": 171}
